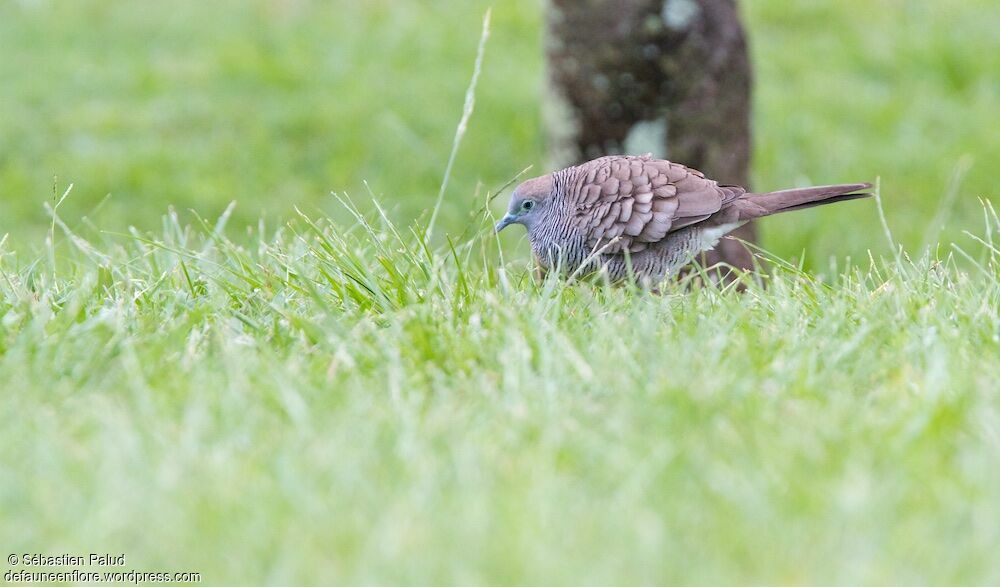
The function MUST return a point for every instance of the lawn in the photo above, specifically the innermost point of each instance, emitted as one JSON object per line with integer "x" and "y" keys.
{"x": 320, "y": 397}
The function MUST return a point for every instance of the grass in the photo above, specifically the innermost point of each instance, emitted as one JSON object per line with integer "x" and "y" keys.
{"x": 326, "y": 398}
{"x": 337, "y": 406}
{"x": 278, "y": 103}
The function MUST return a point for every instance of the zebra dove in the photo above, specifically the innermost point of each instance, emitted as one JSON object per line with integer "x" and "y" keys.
{"x": 639, "y": 216}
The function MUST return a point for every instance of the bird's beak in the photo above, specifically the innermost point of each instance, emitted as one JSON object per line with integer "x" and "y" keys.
{"x": 508, "y": 219}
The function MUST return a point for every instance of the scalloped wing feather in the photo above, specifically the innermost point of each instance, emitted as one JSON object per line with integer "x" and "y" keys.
{"x": 639, "y": 200}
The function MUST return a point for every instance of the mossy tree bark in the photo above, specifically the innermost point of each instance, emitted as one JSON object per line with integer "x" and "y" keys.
{"x": 670, "y": 77}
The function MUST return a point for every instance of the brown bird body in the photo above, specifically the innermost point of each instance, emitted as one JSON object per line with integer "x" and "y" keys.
{"x": 639, "y": 216}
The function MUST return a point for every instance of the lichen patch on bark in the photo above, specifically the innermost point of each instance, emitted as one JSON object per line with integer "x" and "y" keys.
{"x": 647, "y": 136}
{"x": 678, "y": 14}
{"x": 562, "y": 128}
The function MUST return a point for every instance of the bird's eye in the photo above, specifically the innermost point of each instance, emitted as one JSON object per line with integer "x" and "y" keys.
{"x": 527, "y": 205}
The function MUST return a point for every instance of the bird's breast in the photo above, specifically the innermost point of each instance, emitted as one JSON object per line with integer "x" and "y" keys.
{"x": 558, "y": 246}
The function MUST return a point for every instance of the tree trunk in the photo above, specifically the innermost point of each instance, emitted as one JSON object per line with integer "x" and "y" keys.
{"x": 669, "y": 77}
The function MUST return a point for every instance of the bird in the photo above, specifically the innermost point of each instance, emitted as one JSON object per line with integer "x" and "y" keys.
{"x": 641, "y": 219}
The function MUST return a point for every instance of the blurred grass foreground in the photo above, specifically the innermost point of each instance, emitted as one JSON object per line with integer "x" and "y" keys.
{"x": 326, "y": 397}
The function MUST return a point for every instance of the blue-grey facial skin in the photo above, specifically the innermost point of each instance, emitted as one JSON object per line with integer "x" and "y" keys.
{"x": 521, "y": 211}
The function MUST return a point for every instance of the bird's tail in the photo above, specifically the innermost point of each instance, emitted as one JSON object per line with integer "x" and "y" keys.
{"x": 757, "y": 205}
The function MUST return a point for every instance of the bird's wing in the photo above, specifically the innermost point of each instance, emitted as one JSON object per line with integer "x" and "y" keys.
{"x": 639, "y": 200}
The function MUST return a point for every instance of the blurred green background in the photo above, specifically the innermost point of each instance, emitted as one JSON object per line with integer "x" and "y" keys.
{"x": 276, "y": 103}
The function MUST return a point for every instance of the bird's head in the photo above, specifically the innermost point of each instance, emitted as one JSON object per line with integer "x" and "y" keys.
{"x": 527, "y": 202}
